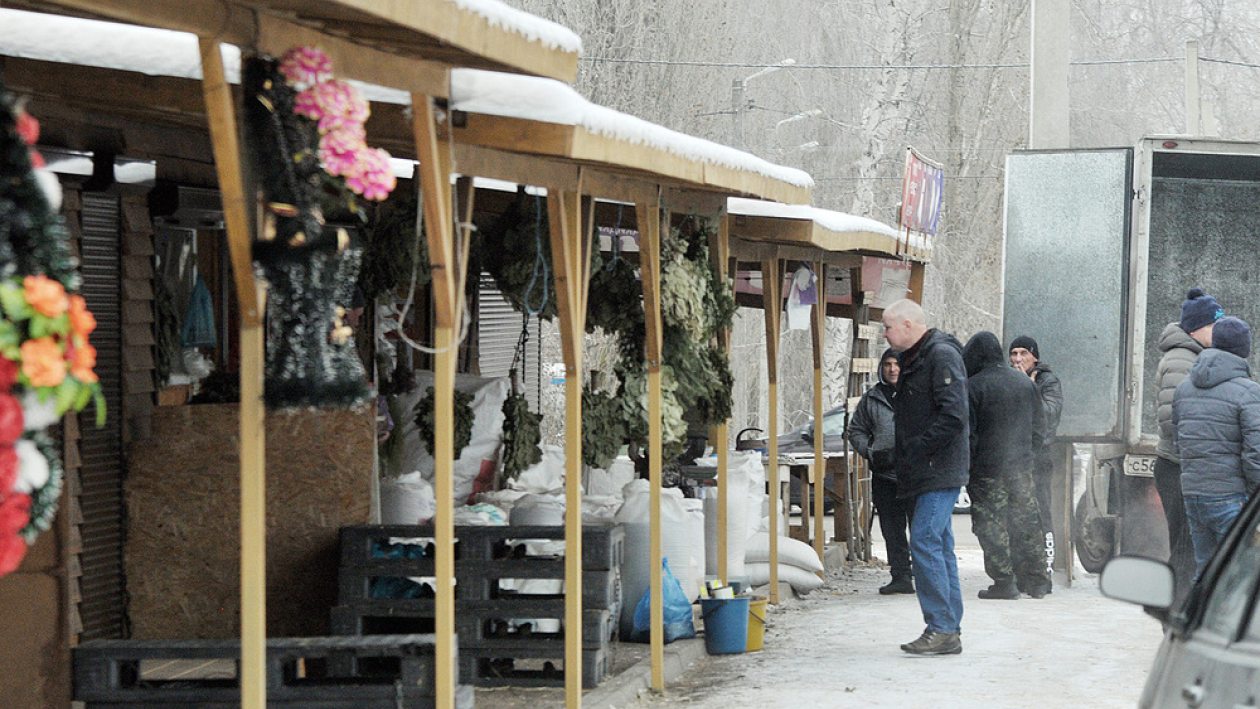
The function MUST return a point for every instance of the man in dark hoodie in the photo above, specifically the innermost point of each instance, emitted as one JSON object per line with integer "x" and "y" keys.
{"x": 933, "y": 454}
{"x": 1216, "y": 413}
{"x": 1181, "y": 342}
{"x": 1007, "y": 421}
{"x": 872, "y": 435}
{"x": 1026, "y": 357}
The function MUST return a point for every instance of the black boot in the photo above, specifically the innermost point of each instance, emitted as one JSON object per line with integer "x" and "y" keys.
{"x": 900, "y": 584}
{"x": 1000, "y": 591}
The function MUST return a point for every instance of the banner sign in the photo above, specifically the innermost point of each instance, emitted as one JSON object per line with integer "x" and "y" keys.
{"x": 921, "y": 193}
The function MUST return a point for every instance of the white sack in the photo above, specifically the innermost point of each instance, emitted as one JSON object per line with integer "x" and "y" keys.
{"x": 799, "y": 579}
{"x": 675, "y": 546}
{"x": 736, "y": 514}
{"x": 791, "y": 551}
{"x": 407, "y": 499}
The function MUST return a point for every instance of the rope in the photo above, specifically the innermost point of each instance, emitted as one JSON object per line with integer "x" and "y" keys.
{"x": 540, "y": 265}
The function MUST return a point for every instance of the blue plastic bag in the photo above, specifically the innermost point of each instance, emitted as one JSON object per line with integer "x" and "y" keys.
{"x": 676, "y": 611}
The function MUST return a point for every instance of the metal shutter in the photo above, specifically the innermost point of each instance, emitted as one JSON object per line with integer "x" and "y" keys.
{"x": 498, "y": 330}
{"x": 103, "y": 605}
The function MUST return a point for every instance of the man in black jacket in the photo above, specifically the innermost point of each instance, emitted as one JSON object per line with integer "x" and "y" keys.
{"x": 1006, "y": 427}
{"x": 933, "y": 455}
{"x": 873, "y": 436}
{"x": 1026, "y": 357}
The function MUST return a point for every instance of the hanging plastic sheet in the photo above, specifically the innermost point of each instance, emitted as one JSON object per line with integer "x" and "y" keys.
{"x": 198, "y": 330}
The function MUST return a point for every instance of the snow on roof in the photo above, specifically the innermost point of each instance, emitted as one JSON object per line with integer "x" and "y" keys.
{"x": 532, "y": 27}
{"x": 107, "y": 45}
{"x": 839, "y": 222}
{"x": 550, "y": 101}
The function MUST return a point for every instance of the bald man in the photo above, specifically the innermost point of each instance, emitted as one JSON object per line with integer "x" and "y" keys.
{"x": 931, "y": 415}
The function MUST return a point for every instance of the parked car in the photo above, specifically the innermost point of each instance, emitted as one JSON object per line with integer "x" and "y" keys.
{"x": 1210, "y": 656}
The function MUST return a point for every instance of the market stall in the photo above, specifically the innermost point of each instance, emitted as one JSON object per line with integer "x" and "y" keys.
{"x": 404, "y": 47}
{"x": 766, "y": 235}
{"x": 533, "y": 131}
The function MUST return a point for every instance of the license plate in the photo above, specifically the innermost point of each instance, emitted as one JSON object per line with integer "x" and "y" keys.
{"x": 1140, "y": 465}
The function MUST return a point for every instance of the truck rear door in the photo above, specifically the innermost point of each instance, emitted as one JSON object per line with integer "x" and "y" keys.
{"x": 1065, "y": 277}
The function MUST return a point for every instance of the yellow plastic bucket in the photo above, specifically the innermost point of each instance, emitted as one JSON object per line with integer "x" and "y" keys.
{"x": 756, "y": 622}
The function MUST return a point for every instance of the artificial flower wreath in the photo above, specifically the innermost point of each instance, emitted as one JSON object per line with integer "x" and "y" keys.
{"x": 308, "y": 143}
{"x": 46, "y": 363}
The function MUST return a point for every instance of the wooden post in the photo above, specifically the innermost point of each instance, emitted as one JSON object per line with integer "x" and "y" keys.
{"x": 820, "y": 463}
{"x": 720, "y": 251}
{"x": 571, "y": 259}
{"x": 652, "y": 220}
{"x": 915, "y": 289}
{"x": 221, "y": 115}
{"x": 448, "y": 295}
{"x": 771, "y": 286}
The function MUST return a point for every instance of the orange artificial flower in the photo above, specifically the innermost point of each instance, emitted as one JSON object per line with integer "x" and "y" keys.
{"x": 46, "y": 296}
{"x": 82, "y": 322}
{"x": 42, "y": 362}
{"x": 82, "y": 360}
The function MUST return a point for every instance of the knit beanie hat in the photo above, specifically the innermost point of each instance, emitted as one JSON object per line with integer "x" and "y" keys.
{"x": 1233, "y": 336}
{"x": 1027, "y": 343}
{"x": 1199, "y": 310}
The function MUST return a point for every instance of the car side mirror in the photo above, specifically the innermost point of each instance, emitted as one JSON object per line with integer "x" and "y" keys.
{"x": 1135, "y": 579}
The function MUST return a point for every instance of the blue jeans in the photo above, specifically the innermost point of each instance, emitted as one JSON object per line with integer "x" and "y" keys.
{"x": 935, "y": 566}
{"x": 1209, "y": 519}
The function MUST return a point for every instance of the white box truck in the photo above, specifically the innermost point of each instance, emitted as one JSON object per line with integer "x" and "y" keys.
{"x": 1101, "y": 248}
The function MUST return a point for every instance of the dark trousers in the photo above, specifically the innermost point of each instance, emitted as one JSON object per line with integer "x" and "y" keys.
{"x": 1043, "y": 475}
{"x": 894, "y": 521}
{"x": 1180, "y": 546}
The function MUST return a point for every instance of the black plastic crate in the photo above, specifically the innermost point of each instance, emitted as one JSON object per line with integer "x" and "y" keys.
{"x": 372, "y": 672}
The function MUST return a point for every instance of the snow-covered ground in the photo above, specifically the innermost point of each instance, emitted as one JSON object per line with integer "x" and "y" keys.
{"x": 838, "y": 647}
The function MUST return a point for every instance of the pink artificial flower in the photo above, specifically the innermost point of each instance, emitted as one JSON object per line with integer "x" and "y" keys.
{"x": 376, "y": 179}
{"x": 334, "y": 104}
{"x": 305, "y": 66}
{"x": 339, "y": 151}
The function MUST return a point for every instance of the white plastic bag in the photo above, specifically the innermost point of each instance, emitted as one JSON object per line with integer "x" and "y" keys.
{"x": 799, "y": 579}
{"x": 407, "y": 500}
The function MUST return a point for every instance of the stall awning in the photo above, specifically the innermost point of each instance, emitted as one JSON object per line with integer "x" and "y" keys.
{"x": 822, "y": 229}
{"x": 403, "y": 45}
{"x": 548, "y": 119}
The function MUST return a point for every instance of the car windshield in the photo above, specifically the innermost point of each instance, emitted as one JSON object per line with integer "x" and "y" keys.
{"x": 833, "y": 424}
{"x": 1233, "y": 592}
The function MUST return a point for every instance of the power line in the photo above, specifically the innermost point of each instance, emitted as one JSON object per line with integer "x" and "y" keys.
{"x": 1231, "y": 63}
{"x": 870, "y": 67}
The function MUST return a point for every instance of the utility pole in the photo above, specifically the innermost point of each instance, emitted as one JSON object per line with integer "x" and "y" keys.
{"x": 1194, "y": 122}
{"x": 739, "y": 106}
{"x": 1048, "y": 103}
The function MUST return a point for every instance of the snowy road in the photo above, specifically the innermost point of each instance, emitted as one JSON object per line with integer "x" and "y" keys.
{"x": 839, "y": 648}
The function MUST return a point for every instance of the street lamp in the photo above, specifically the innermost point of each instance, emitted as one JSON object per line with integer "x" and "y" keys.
{"x": 773, "y": 133}
{"x": 738, "y": 86}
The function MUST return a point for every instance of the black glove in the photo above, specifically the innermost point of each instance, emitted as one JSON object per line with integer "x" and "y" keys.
{"x": 884, "y": 459}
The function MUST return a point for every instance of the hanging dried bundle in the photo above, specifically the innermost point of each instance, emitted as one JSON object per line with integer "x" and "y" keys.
{"x": 522, "y": 433}
{"x": 463, "y": 414}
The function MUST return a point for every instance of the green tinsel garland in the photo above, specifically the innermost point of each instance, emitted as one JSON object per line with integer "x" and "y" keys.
{"x": 44, "y": 500}
{"x": 522, "y": 432}
{"x": 463, "y": 419}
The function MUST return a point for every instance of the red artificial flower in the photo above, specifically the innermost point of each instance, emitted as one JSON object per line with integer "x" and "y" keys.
{"x": 12, "y": 550}
{"x": 8, "y": 374}
{"x": 15, "y": 513}
{"x": 82, "y": 322}
{"x": 11, "y": 423}
{"x": 27, "y": 128}
{"x": 8, "y": 469}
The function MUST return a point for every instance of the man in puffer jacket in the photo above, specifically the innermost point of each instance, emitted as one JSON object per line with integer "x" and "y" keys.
{"x": 1216, "y": 412}
{"x": 873, "y": 437}
{"x": 1007, "y": 423}
{"x": 1181, "y": 342}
